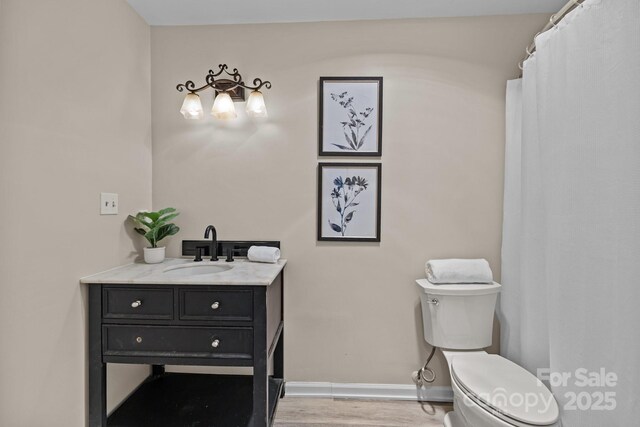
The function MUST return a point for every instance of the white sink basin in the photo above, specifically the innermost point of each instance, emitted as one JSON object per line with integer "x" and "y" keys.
{"x": 188, "y": 270}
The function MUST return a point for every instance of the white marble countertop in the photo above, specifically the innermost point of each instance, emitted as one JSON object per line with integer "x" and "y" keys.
{"x": 242, "y": 273}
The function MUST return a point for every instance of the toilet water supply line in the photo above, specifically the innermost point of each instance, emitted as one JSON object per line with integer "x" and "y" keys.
{"x": 419, "y": 377}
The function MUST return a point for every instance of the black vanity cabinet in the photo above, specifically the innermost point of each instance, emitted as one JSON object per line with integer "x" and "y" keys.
{"x": 174, "y": 324}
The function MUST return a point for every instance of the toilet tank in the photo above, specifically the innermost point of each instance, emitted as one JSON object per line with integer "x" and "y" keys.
{"x": 458, "y": 317}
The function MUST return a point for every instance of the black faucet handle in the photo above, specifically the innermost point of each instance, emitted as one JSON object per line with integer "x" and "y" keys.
{"x": 230, "y": 250}
{"x": 199, "y": 251}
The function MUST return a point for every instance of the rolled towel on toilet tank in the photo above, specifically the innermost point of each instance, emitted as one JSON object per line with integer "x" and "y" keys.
{"x": 263, "y": 254}
{"x": 440, "y": 271}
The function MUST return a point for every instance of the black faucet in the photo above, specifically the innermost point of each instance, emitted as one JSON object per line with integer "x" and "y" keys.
{"x": 214, "y": 241}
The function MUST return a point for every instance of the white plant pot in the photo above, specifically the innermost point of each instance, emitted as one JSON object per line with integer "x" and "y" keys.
{"x": 153, "y": 255}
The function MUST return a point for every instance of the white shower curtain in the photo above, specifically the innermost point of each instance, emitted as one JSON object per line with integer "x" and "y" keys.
{"x": 571, "y": 237}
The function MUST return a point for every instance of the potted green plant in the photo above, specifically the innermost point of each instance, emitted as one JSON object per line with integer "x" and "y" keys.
{"x": 155, "y": 226}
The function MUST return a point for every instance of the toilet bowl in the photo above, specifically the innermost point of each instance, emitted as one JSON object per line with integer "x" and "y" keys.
{"x": 488, "y": 390}
{"x": 491, "y": 391}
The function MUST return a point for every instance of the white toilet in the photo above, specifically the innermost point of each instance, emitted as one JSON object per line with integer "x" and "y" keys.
{"x": 488, "y": 390}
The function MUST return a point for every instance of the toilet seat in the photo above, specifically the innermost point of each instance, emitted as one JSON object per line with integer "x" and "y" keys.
{"x": 502, "y": 388}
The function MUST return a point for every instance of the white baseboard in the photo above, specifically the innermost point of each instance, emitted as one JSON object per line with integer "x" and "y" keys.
{"x": 368, "y": 391}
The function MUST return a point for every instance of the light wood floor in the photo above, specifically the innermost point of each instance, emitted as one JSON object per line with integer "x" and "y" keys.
{"x": 308, "y": 412}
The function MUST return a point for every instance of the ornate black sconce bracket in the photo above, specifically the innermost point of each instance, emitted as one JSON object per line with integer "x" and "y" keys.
{"x": 225, "y": 81}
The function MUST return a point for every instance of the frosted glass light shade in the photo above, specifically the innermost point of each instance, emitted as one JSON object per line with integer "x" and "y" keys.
{"x": 256, "y": 106}
{"x": 223, "y": 107}
{"x": 192, "y": 107}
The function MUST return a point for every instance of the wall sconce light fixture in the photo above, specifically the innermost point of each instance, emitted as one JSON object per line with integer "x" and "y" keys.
{"x": 226, "y": 89}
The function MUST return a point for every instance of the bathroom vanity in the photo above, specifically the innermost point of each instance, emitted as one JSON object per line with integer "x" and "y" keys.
{"x": 185, "y": 313}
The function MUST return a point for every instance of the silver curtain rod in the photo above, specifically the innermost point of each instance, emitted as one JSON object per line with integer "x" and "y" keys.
{"x": 553, "y": 21}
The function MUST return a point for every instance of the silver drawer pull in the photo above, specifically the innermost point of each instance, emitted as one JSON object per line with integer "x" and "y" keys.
{"x": 215, "y": 305}
{"x": 136, "y": 304}
{"x": 215, "y": 343}
{"x": 139, "y": 340}
{"x": 433, "y": 301}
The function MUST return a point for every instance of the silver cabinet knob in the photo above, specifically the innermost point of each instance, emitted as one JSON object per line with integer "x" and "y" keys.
{"x": 136, "y": 304}
{"x": 139, "y": 340}
{"x": 215, "y": 305}
{"x": 215, "y": 343}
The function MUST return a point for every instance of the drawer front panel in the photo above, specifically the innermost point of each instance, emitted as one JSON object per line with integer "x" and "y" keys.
{"x": 196, "y": 304}
{"x": 170, "y": 341}
{"x": 138, "y": 303}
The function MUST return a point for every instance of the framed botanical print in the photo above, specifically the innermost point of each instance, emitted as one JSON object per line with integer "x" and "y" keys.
{"x": 350, "y": 116}
{"x": 349, "y": 201}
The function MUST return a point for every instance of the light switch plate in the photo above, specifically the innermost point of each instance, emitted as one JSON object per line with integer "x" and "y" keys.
{"x": 108, "y": 204}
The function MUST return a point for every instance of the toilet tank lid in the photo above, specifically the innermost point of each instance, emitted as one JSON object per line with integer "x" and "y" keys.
{"x": 493, "y": 380}
{"x": 458, "y": 289}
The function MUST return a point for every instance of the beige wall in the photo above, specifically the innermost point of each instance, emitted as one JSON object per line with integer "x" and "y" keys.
{"x": 74, "y": 121}
{"x": 352, "y": 310}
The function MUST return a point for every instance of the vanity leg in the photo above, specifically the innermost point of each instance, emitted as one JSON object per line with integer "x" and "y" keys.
{"x": 260, "y": 361}
{"x": 278, "y": 353}
{"x": 278, "y": 360}
{"x": 157, "y": 370}
{"x": 97, "y": 369}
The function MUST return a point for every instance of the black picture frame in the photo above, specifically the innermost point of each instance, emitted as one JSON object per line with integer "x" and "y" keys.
{"x": 322, "y": 151}
{"x": 378, "y": 202}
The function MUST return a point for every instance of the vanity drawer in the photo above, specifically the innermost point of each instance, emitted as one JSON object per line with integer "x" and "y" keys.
{"x": 201, "y": 304}
{"x": 137, "y": 303}
{"x": 173, "y": 341}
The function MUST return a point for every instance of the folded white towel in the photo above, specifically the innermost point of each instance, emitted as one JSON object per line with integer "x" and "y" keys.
{"x": 441, "y": 271}
{"x": 263, "y": 254}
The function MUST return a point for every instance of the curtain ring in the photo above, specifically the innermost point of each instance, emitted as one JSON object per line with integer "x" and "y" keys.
{"x": 529, "y": 53}
{"x": 578, "y": 3}
{"x": 553, "y": 22}
{"x": 521, "y": 65}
